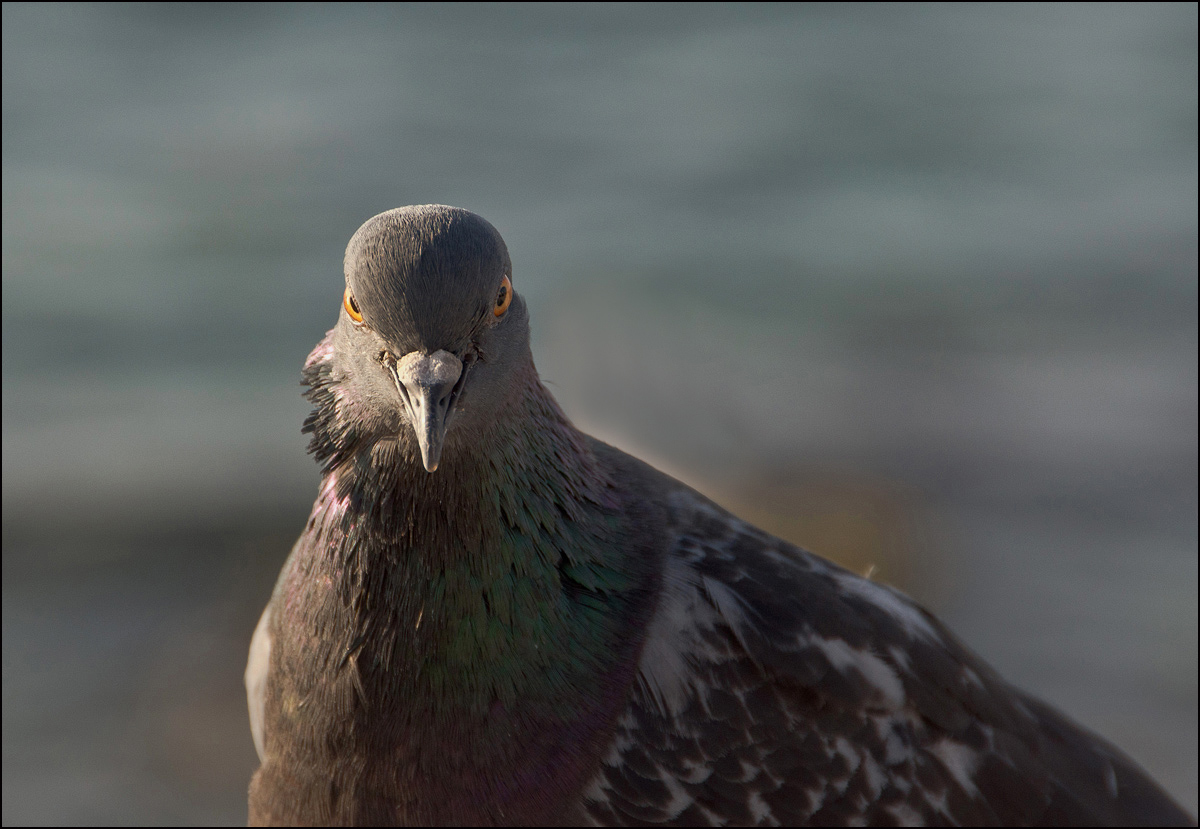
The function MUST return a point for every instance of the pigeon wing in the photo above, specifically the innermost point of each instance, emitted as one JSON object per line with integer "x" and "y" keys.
{"x": 777, "y": 688}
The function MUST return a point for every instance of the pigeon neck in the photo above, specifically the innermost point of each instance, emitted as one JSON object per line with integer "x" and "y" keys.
{"x": 486, "y": 606}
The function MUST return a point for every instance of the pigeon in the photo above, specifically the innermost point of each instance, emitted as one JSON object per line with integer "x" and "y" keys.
{"x": 492, "y": 618}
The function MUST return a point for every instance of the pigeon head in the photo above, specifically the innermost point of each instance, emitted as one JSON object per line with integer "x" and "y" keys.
{"x": 429, "y": 333}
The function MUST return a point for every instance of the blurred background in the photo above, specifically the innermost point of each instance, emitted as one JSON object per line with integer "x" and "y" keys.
{"x": 913, "y": 286}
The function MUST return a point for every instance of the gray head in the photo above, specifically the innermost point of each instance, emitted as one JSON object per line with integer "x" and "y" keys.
{"x": 429, "y": 333}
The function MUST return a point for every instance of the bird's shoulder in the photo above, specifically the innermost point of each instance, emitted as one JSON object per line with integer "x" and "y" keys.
{"x": 777, "y": 687}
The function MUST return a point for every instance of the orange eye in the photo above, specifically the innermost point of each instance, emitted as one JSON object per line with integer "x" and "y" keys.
{"x": 351, "y": 306}
{"x": 504, "y": 298}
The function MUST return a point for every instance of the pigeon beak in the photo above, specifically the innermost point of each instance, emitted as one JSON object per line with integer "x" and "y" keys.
{"x": 429, "y": 385}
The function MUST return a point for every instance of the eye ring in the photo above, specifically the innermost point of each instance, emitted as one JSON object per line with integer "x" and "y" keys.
{"x": 351, "y": 306}
{"x": 503, "y": 298}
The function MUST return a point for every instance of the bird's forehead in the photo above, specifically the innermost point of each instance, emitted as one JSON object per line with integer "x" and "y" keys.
{"x": 424, "y": 276}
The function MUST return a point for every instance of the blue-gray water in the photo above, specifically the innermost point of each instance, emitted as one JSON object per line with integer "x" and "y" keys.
{"x": 914, "y": 285}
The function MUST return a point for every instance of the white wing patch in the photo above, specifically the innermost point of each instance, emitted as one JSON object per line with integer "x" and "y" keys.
{"x": 673, "y": 638}
{"x": 877, "y": 672}
{"x": 256, "y": 680}
{"x": 900, "y": 609}
{"x": 960, "y": 760}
